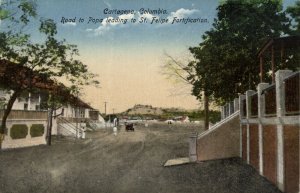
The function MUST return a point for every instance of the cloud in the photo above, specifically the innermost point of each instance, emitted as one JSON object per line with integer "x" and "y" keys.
{"x": 101, "y": 30}
{"x": 110, "y": 22}
{"x": 182, "y": 13}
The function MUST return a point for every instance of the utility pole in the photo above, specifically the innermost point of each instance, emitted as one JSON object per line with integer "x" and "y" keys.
{"x": 105, "y": 112}
{"x": 113, "y": 111}
{"x": 105, "y": 107}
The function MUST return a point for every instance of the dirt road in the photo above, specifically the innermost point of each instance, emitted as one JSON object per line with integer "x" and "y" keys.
{"x": 131, "y": 162}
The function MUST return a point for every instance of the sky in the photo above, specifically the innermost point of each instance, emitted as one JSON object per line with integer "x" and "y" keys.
{"x": 129, "y": 57}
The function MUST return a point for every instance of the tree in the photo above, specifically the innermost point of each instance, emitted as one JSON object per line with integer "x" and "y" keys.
{"x": 186, "y": 72}
{"x": 51, "y": 59}
{"x": 294, "y": 11}
{"x": 225, "y": 62}
{"x": 227, "y": 57}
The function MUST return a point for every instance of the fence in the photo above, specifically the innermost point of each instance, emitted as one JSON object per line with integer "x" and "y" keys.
{"x": 269, "y": 95}
{"x": 270, "y": 124}
{"x": 229, "y": 108}
{"x": 292, "y": 102}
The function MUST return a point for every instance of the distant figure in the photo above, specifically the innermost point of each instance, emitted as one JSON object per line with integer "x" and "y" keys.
{"x": 115, "y": 130}
{"x": 83, "y": 129}
{"x": 115, "y": 122}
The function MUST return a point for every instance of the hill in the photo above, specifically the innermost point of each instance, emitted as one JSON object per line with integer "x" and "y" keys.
{"x": 150, "y": 112}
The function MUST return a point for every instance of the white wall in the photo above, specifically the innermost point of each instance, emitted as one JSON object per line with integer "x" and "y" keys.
{"x": 25, "y": 142}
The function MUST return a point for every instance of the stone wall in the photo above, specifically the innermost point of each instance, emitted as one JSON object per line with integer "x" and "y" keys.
{"x": 220, "y": 142}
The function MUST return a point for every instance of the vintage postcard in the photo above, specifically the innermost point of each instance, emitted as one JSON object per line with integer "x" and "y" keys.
{"x": 132, "y": 96}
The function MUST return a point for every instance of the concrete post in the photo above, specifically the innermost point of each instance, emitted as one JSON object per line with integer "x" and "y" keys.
{"x": 236, "y": 104}
{"x": 9, "y": 126}
{"x": 248, "y": 103}
{"x": 261, "y": 99}
{"x": 241, "y": 98}
{"x": 193, "y": 147}
{"x": 280, "y": 99}
{"x": 280, "y": 158}
{"x": 29, "y": 102}
{"x": 227, "y": 109}
{"x": 248, "y": 107}
{"x": 231, "y": 108}
{"x": 28, "y": 136}
{"x": 280, "y": 104}
{"x": 261, "y": 113}
{"x": 222, "y": 112}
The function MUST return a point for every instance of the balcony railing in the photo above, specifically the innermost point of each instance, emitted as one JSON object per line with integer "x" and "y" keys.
{"x": 254, "y": 105}
{"x": 292, "y": 86}
{"x": 244, "y": 113}
{"x": 270, "y": 101}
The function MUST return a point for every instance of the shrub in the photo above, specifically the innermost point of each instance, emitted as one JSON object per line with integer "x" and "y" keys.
{"x": 18, "y": 131}
{"x": 37, "y": 130}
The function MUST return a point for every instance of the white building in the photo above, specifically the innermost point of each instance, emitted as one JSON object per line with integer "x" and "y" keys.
{"x": 28, "y": 101}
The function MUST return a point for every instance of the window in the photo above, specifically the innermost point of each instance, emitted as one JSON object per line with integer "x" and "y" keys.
{"x": 25, "y": 106}
{"x": 82, "y": 113}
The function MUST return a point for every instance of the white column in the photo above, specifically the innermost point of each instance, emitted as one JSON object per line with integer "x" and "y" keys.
{"x": 248, "y": 107}
{"x": 222, "y": 112}
{"x": 280, "y": 158}
{"x": 241, "y": 98}
{"x": 29, "y": 102}
{"x": 248, "y": 103}
{"x": 248, "y": 143}
{"x": 261, "y": 113}
{"x": 39, "y": 102}
{"x": 236, "y": 104}
{"x": 280, "y": 100}
{"x": 9, "y": 126}
{"x": 193, "y": 147}
{"x": 28, "y": 136}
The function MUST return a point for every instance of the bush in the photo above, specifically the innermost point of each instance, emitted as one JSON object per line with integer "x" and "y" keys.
{"x": 18, "y": 131}
{"x": 37, "y": 130}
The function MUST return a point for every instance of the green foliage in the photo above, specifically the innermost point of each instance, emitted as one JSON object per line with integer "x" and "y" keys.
{"x": 29, "y": 10}
{"x": 37, "y": 130}
{"x": 18, "y": 131}
{"x": 49, "y": 57}
{"x": 214, "y": 116}
{"x": 226, "y": 60}
{"x": 2, "y": 102}
{"x": 3, "y": 14}
{"x": 294, "y": 11}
